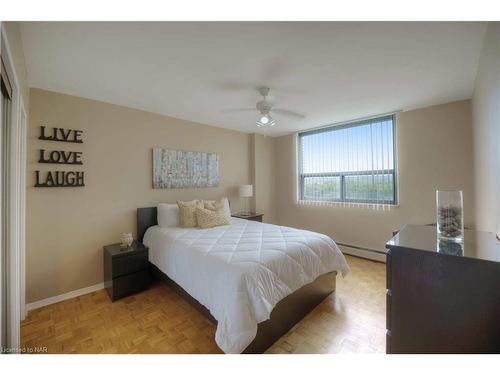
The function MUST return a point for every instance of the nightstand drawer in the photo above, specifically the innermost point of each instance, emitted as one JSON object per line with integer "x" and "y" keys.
{"x": 129, "y": 284}
{"x": 130, "y": 263}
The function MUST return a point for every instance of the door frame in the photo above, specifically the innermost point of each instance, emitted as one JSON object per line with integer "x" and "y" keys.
{"x": 15, "y": 201}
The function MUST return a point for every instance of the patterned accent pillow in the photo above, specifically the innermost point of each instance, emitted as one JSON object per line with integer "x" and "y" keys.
{"x": 221, "y": 204}
{"x": 187, "y": 213}
{"x": 209, "y": 219}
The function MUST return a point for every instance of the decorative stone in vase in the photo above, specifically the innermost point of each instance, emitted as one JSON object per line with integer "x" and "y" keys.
{"x": 450, "y": 217}
{"x": 450, "y": 247}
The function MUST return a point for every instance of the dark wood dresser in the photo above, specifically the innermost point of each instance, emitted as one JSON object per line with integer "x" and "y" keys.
{"x": 443, "y": 297}
{"x": 125, "y": 271}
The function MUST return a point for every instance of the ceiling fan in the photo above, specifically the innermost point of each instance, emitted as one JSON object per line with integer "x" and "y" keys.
{"x": 265, "y": 107}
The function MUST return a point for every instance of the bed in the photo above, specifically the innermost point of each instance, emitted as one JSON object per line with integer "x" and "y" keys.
{"x": 255, "y": 280}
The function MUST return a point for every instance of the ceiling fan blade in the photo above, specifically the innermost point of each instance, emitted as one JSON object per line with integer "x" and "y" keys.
{"x": 287, "y": 112}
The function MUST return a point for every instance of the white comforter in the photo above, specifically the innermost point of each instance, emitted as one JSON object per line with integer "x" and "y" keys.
{"x": 240, "y": 271}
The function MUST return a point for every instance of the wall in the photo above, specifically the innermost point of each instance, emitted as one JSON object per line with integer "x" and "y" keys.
{"x": 67, "y": 227}
{"x": 434, "y": 152}
{"x": 264, "y": 176}
{"x": 486, "y": 135}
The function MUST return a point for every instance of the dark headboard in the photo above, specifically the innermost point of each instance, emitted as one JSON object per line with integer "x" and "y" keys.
{"x": 146, "y": 217}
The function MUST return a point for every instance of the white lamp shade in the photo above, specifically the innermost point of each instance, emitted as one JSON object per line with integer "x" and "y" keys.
{"x": 245, "y": 190}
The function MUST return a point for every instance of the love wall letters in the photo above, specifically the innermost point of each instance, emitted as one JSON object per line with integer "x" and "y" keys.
{"x": 60, "y": 178}
{"x": 60, "y": 157}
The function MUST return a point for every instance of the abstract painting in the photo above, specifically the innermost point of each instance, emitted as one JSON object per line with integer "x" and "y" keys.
{"x": 174, "y": 169}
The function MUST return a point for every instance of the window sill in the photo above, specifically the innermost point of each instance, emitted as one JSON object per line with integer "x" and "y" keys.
{"x": 370, "y": 206}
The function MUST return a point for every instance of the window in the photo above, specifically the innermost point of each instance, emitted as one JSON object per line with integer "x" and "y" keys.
{"x": 352, "y": 162}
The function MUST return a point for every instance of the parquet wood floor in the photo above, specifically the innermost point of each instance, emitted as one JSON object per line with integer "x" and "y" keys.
{"x": 352, "y": 320}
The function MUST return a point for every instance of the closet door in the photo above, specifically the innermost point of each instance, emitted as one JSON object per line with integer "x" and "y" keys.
{"x": 5, "y": 118}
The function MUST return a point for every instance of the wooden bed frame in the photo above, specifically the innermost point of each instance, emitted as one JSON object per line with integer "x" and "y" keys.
{"x": 288, "y": 312}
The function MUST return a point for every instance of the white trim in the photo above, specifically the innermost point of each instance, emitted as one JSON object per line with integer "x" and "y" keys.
{"x": 297, "y": 160}
{"x": 2, "y": 317}
{"x": 22, "y": 140}
{"x": 16, "y": 167}
{"x": 64, "y": 296}
{"x": 9, "y": 205}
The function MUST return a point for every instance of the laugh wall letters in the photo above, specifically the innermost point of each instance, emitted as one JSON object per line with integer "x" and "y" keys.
{"x": 60, "y": 178}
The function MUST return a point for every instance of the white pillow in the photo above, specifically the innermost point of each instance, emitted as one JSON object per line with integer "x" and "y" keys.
{"x": 227, "y": 208}
{"x": 168, "y": 215}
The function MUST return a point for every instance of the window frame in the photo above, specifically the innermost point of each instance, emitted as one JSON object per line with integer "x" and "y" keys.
{"x": 394, "y": 171}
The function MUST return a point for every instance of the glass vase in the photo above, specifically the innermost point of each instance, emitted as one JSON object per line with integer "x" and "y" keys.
{"x": 450, "y": 215}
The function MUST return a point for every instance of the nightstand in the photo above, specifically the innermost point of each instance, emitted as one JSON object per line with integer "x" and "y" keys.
{"x": 252, "y": 217}
{"x": 125, "y": 271}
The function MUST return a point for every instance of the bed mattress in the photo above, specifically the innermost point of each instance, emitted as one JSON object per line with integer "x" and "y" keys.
{"x": 239, "y": 272}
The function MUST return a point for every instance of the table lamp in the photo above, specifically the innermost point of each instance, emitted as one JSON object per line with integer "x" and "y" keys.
{"x": 245, "y": 191}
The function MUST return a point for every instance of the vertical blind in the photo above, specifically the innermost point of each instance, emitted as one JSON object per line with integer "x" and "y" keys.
{"x": 349, "y": 164}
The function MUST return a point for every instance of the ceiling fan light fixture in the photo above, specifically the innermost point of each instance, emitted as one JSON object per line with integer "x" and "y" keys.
{"x": 265, "y": 120}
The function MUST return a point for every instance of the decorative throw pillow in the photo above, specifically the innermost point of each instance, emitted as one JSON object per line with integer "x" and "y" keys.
{"x": 221, "y": 204}
{"x": 209, "y": 219}
{"x": 187, "y": 213}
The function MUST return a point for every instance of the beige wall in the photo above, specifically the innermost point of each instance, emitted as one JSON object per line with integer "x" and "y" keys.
{"x": 264, "y": 176}
{"x": 434, "y": 152}
{"x": 486, "y": 135}
{"x": 67, "y": 227}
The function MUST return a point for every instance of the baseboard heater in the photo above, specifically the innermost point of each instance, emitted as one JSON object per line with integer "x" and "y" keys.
{"x": 381, "y": 252}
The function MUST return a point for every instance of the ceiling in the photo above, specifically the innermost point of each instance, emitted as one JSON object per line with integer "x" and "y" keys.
{"x": 201, "y": 71}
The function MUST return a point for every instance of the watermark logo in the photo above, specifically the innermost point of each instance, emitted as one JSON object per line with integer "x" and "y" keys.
{"x": 24, "y": 350}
